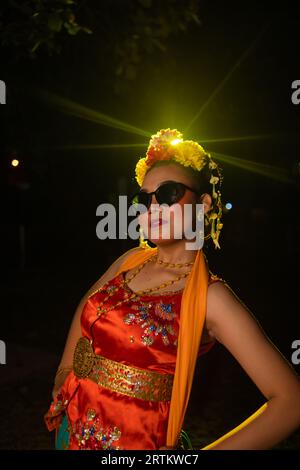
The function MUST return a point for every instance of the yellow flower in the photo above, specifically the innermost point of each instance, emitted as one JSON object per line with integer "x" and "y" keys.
{"x": 214, "y": 180}
{"x": 185, "y": 152}
{"x": 212, "y": 165}
{"x": 190, "y": 153}
{"x": 141, "y": 170}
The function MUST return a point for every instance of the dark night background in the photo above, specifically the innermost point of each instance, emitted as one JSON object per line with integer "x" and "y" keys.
{"x": 239, "y": 62}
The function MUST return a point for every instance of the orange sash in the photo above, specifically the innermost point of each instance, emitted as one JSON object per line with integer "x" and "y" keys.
{"x": 192, "y": 318}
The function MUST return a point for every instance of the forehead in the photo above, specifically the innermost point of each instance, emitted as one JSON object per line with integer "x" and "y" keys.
{"x": 158, "y": 175}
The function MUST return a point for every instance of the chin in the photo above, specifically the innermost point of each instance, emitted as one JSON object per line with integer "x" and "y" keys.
{"x": 161, "y": 241}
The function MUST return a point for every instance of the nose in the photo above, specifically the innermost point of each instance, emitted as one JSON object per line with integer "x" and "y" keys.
{"x": 153, "y": 201}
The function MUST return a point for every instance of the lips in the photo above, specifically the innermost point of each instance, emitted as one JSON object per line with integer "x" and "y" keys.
{"x": 157, "y": 222}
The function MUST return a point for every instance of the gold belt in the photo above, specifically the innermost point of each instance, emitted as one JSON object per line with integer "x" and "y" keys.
{"x": 121, "y": 378}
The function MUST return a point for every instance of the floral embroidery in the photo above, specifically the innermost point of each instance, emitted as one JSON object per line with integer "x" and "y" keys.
{"x": 91, "y": 435}
{"x": 164, "y": 311}
{"x": 91, "y": 414}
{"x": 151, "y": 325}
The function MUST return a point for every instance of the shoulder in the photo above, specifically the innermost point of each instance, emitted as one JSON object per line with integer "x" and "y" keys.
{"x": 226, "y": 312}
{"x": 222, "y": 302}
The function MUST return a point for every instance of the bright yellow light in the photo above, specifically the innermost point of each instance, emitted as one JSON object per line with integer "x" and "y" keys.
{"x": 276, "y": 173}
{"x": 83, "y": 112}
{"x": 176, "y": 141}
{"x": 15, "y": 162}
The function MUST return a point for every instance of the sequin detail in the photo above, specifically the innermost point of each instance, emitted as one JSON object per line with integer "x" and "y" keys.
{"x": 164, "y": 310}
{"x": 92, "y": 435}
{"x": 111, "y": 288}
{"x": 59, "y": 404}
{"x": 146, "y": 318}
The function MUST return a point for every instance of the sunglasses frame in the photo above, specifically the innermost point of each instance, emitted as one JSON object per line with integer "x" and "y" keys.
{"x": 156, "y": 192}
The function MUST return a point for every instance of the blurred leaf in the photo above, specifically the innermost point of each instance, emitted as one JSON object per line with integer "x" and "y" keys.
{"x": 196, "y": 18}
{"x": 36, "y": 46}
{"x": 54, "y": 22}
{"x": 86, "y": 30}
{"x": 72, "y": 28}
{"x": 159, "y": 44}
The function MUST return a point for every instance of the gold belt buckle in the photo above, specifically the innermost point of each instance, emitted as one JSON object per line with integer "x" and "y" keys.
{"x": 83, "y": 359}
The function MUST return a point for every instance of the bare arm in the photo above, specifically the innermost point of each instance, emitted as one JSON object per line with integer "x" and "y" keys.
{"x": 233, "y": 325}
{"x": 65, "y": 365}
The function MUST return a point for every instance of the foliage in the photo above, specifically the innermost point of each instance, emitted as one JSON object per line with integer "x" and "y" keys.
{"x": 32, "y": 25}
{"x": 126, "y": 31}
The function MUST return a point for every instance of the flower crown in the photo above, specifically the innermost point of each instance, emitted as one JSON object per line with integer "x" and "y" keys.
{"x": 168, "y": 144}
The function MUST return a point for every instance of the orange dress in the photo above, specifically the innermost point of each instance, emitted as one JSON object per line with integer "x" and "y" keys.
{"x": 142, "y": 333}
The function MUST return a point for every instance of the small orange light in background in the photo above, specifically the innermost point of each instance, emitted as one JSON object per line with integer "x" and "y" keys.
{"x": 15, "y": 162}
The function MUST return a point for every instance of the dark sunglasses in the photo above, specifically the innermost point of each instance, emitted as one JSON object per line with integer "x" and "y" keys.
{"x": 167, "y": 193}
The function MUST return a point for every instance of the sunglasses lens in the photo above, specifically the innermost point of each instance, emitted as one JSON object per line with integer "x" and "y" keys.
{"x": 170, "y": 193}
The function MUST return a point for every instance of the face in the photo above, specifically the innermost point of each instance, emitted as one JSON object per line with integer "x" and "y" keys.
{"x": 162, "y": 224}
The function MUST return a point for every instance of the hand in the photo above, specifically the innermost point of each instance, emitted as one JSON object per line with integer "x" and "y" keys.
{"x": 60, "y": 377}
{"x": 55, "y": 392}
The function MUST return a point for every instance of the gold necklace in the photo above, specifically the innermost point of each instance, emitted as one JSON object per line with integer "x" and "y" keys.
{"x": 174, "y": 265}
{"x": 128, "y": 297}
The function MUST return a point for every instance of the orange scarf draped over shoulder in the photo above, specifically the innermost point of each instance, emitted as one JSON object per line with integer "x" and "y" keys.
{"x": 192, "y": 318}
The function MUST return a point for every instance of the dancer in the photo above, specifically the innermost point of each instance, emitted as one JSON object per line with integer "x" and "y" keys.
{"x": 126, "y": 373}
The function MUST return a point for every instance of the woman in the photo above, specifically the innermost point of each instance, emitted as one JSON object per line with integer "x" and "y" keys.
{"x": 126, "y": 373}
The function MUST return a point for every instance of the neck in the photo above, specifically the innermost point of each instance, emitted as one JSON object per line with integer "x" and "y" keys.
{"x": 176, "y": 252}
